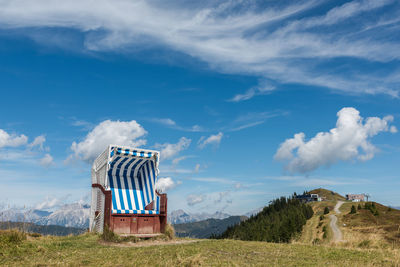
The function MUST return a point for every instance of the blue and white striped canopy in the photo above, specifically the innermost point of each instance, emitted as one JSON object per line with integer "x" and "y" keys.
{"x": 132, "y": 152}
{"x": 132, "y": 177}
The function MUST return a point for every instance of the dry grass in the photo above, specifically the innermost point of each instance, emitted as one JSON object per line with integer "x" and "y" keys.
{"x": 381, "y": 231}
{"x": 362, "y": 230}
{"x": 169, "y": 231}
{"x": 87, "y": 249}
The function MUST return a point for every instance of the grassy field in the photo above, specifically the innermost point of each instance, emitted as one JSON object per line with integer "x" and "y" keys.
{"x": 88, "y": 249}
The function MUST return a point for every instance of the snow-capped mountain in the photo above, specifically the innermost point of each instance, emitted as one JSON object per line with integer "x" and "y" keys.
{"x": 69, "y": 215}
{"x": 180, "y": 216}
{"x": 35, "y": 215}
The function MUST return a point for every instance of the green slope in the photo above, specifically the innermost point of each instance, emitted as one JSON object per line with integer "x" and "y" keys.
{"x": 280, "y": 221}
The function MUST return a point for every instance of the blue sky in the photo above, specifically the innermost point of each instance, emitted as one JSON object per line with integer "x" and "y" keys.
{"x": 223, "y": 89}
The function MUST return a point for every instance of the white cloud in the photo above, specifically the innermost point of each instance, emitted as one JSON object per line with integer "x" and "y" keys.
{"x": 48, "y": 203}
{"x": 52, "y": 202}
{"x": 13, "y": 152}
{"x": 47, "y": 160}
{"x": 12, "y": 140}
{"x": 349, "y": 140}
{"x": 170, "y": 150}
{"x": 164, "y": 184}
{"x": 393, "y": 129}
{"x": 124, "y": 133}
{"x": 278, "y": 41}
{"x": 39, "y": 141}
{"x": 195, "y": 199}
{"x": 211, "y": 140}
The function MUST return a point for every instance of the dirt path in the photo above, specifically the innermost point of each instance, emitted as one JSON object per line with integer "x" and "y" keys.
{"x": 337, "y": 234}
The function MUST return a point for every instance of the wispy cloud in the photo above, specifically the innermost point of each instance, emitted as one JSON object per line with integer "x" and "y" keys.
{"x": 213, "y": 180}
{"x": 194, "y": 199}
{"x": 277, "y": 41}
{"x": 319, "y": 181}
{"x": 253, "y": 119}
{"x": 214, "y": 139}
{"x": 173, "y": 125}
{"x": 252, "y": 92}
{"x": 176, "y": 161}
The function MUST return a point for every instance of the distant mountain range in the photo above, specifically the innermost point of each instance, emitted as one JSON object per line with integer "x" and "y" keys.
{"x": 77, "y": 215}
{"x": 68, "y": 215}
{"x": 180, "y": 216}
{"x": 206, "y": 228}
{"x": 42, "y": 229}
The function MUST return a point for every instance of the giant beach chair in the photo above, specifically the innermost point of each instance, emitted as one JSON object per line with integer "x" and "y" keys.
{"x": 124, "y": 197}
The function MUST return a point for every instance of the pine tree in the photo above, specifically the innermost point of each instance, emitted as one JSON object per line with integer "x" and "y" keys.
{"x": 278, "y": 222}
{"x": 353, "y": 209}
{"x": 326, "y": 210}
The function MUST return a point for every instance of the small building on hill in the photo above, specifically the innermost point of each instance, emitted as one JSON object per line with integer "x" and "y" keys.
{"x": 355, "y": 197}
{"x": 308, "y": 197}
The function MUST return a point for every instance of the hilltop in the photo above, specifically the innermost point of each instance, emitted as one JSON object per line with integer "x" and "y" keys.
{"x": 327, "y": 194}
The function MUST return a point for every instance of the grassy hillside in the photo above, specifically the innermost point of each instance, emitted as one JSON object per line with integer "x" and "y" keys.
{"x": 362, "y": 229}
{"x": 313, "y": 230}
{"x": 381, "y": 229}
{"x": 327, "y": 194}
{"x": 206, "y": 228}
{"x": 88, "y": 250}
